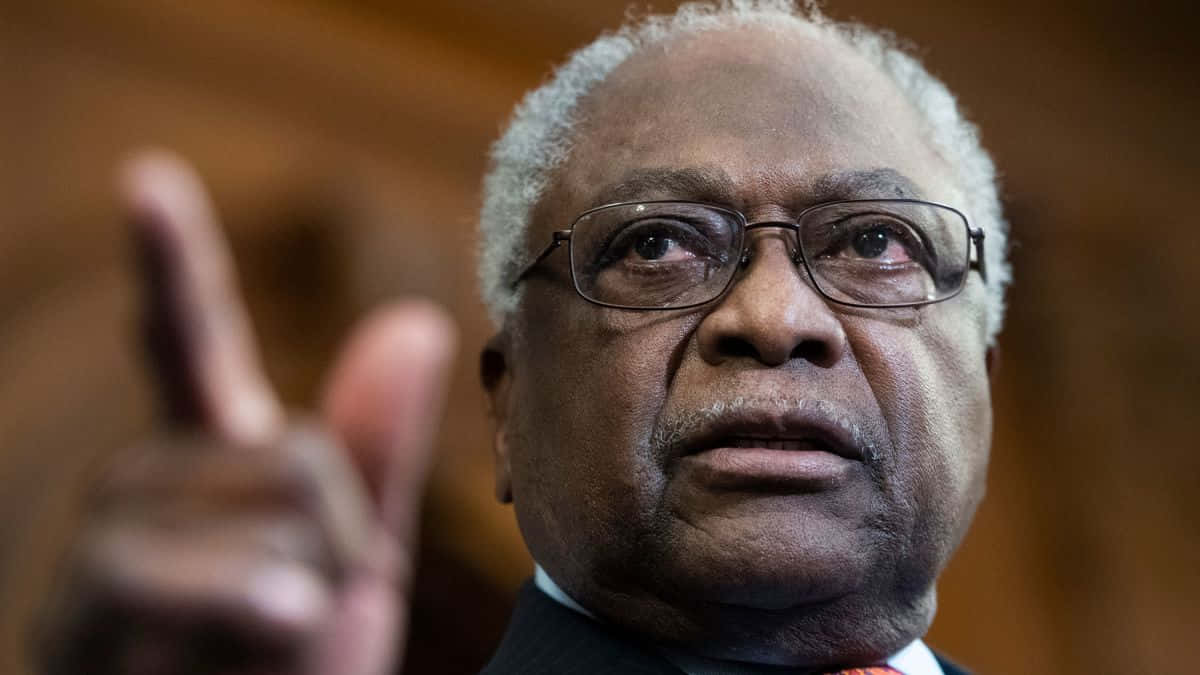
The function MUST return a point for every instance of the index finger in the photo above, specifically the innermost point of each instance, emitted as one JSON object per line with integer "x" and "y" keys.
{"x": 198, "y": 331}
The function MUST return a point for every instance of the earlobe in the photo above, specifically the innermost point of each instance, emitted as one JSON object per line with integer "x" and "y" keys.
{"x": 496, "y": 378}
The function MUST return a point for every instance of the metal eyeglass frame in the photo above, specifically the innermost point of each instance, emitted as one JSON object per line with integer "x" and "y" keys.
{"x": 560, "y": 237}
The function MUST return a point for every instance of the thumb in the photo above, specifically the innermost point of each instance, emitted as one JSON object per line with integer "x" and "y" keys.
{"x": 385, "y": 397}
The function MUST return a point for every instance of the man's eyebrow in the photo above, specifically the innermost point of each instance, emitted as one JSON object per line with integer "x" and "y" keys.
{"x": 705, "y": 184}
{"x": 881, "y": 183}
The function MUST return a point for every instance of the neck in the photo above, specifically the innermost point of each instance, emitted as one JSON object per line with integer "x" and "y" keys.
{"x": 914, "y": 659}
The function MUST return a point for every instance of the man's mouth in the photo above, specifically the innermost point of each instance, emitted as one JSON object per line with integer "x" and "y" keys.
{"x": 811, "y": 426}
{"x": 806, "y": 447}
{"x": 773, "y": 443}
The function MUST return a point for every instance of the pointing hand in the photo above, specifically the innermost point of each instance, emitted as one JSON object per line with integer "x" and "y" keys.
{"x": 250, "y": 541}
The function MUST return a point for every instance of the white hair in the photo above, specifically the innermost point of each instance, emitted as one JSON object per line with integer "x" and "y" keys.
{"x": 539, "y": 136}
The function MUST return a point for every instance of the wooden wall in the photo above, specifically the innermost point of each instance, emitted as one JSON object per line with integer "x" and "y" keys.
{"x": 344, "y": 143}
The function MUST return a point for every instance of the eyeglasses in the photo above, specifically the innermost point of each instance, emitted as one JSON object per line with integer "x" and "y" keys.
{"x": 680, "y": 254}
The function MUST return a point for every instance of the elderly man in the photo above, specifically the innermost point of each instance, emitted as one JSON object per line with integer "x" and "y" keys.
{"x": 740, "y": 384}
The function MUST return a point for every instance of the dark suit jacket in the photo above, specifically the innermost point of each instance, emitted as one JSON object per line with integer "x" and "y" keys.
{"x": 547, "y": 638}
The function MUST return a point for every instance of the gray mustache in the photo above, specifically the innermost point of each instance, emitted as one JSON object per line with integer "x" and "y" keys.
{"x": 675, "y": 430}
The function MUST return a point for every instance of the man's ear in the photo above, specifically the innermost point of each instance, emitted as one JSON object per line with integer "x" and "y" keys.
{"x": 496, "y": 377}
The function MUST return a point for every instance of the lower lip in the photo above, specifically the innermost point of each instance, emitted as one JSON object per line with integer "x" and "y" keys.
{"x": 764, "y": 468}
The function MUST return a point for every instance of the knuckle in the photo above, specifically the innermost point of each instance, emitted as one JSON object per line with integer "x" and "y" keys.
{"x": 136, "y": 587}
{"x": 189, "y": 536}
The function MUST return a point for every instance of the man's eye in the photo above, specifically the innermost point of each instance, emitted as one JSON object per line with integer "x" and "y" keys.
{"x": 882, "y": 242}
{"x": 659, "y": 247}
{"x": 657, "y": 241}
{"x": 872, "y": 243}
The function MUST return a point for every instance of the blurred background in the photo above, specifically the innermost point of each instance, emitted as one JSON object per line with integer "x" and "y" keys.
{"x": 344, "y": 142}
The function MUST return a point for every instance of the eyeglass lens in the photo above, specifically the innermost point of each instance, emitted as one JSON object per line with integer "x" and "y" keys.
{"x": 677, "y": 254}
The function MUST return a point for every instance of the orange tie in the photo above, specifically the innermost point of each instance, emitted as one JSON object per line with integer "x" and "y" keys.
{"x": 869, "y": 670}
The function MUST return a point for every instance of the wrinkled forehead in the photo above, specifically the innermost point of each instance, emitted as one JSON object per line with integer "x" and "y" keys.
{"x": 764, "y": 116}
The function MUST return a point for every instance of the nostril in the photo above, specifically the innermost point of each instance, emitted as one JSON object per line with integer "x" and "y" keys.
{"x": 813, "y": 351}
{"x": 735, "y": 346}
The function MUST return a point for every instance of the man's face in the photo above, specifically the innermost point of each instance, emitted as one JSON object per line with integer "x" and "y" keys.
{"x": 625, "y": 433}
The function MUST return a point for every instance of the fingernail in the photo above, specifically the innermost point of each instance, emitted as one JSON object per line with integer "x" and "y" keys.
{"x": 252, "y": 419}
{"x": 288, "y": 595}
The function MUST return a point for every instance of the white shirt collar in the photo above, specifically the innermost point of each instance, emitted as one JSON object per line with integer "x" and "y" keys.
{"x": 547, "y": 586}
{"x": 915, "y": 659}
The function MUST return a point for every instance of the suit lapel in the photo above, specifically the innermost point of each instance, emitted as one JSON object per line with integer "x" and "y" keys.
{"x": 948, "y": 666}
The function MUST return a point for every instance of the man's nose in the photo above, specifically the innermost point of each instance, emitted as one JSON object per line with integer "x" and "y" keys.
{"x": 772, "y": 313}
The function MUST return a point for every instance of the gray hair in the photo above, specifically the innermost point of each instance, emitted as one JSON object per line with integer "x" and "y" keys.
{"x": 538, "y": 138}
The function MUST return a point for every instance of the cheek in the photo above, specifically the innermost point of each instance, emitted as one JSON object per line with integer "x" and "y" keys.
{"x": 588, "y": 390}
{"x": 931, "y": 383}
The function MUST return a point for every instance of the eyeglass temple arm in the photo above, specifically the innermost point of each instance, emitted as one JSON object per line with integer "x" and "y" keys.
{"x": 980, "y": 263}
{"x": 560, "y": 237}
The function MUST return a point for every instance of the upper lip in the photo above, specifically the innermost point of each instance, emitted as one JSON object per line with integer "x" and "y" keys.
{"x": 819, "y": 425}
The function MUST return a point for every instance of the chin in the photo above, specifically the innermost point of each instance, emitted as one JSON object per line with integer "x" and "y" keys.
{"x": 769, "y": 578}
{"x": 808, "y": 593}
{"x": 773, "y": 554}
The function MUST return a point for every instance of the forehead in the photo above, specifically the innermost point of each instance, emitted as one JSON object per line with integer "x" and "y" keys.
{"x": 754, "y": 116}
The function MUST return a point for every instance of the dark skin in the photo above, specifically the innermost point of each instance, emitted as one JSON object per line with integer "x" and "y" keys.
{"x": 834, "y": 573}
